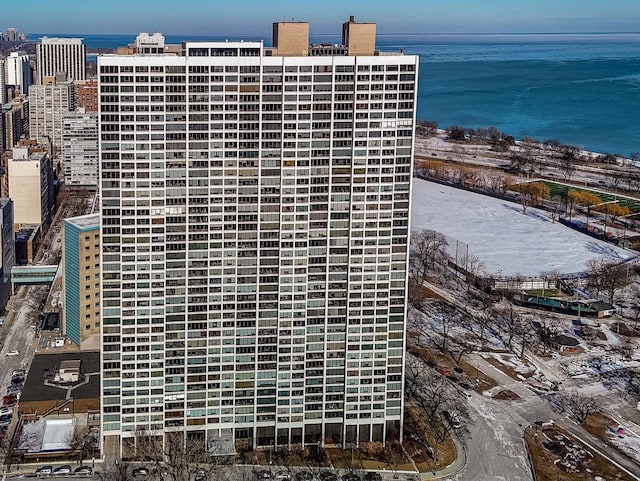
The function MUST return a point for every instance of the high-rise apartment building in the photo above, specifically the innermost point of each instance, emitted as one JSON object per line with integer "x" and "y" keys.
{"x": 19, "y": 72}
{"x": 81, "y": 284}
{"x": 255, "y": 213}
{"x": 48, "y": 104}
{"x": 60, "y": 55}
{"x": 87, "y": 95}
{"x": 3, "y": 84}
{"x": 80, "y": 148}
{"x": 14, "y": 121}
{"x": 31, "y": 186}
{"x": 7, "y": 250}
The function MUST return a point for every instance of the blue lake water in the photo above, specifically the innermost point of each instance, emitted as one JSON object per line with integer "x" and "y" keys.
{"x": 578, "y": 88}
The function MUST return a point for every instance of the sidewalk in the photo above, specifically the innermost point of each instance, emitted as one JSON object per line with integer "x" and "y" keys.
{"x": 459, "y": 463}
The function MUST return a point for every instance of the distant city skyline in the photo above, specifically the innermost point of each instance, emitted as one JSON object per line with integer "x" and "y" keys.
{"x": 409, "y": 16}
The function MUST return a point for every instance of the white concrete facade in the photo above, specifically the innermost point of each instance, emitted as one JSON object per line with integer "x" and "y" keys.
{"x": 255, "y": 215}
{"x": 19, "y": 71}
{"x": 57, "y": 55}
{"x": 80, "y": 148}
{"x": 3, "y": 85}
{"x": 48, "y": 104}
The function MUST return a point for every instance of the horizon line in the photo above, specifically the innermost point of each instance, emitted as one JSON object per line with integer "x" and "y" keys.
{"x": 338, "y": 33}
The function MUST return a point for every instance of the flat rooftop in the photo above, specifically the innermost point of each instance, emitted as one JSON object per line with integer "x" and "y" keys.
{"x": 44, "y": 366}
{"x": 89, "y": 220}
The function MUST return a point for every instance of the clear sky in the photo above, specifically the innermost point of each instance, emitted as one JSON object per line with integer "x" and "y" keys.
{"x": 219, "y": 17}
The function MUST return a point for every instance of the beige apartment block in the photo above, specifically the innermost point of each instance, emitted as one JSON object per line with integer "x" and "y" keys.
{"x": 30, "y": 186}
{"x": 359, "y": 38}
{"x": 291, "y": 39}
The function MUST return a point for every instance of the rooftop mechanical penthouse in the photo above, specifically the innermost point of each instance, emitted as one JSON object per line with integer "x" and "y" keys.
{"x": 255, "y": 211}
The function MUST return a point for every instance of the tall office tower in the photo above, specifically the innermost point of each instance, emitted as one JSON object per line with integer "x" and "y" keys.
{"x": 61, "y": 55}
{"x": 3, "y": 84}
{"x": 255, "y": 213}
{"x": 81, "y": 283}
{"x": 19, "y": 71}
{"x": 80, "y": 148}
{"x": 48, "y": 104}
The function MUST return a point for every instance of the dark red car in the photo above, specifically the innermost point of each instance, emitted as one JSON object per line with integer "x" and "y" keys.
{"x": 9, "y": 399}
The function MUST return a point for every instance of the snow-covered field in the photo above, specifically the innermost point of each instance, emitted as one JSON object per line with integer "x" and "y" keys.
{"x": 508, "y": 241}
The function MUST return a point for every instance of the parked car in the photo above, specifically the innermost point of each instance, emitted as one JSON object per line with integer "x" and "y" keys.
{"x": 13, "y": 353}
{"x": 328, "y": 476}
{"x": 264, "y": 474}
{"x": 200, "y": 475}
{"x": 452, "y": 419}
{"x": 60, "y": 470}
{"x": 9, "y": 399}
{"x": 83, "y": 470}
{"x": 17, "y": 380}
{"x": 44, "y": 470}
{"x": 350, "y": 477}
{"x": 283, "y": 476}
{"x": 14, "y": 389}
{"x": 18, "y": 372}
{"x": 140, "y": 472}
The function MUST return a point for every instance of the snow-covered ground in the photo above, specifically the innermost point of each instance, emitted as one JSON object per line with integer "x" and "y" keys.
{"x": 508, "y": 241}
{"x": 630, "y": 445}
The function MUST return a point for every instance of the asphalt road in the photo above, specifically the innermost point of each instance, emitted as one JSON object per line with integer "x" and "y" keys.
{"x": 19, "y": 336}
{"x": 495, "y": 449}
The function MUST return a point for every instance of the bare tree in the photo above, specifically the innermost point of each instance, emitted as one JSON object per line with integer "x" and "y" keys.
{"x": 547, "y": 331}
{"x": 608, "y": 276}
{"x": 487, "y": 315}
{"x": 508, "y": 320}
{"x": 115, "y": 471}
{"x": 446, "y": 324}
{"x": 474, "y": 267}
{"x": 426, "y": 127}
{"x": 498, "y": 182}
{"x": 555, "y": 207}
{"x": 174, "y": 456}
{"x": 580, "y": 405}
{"x": 84, "y": 440}
{"x": 567, "y": 166}
{"x": 428, "y": 393}
{"x": 428, "y": 248}
{"x": 526, "y": 335}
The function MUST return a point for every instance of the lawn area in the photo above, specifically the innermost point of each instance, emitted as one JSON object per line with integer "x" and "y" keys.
{"x": 561, "y": 190}
{"x": 446, "y": 451}
{"x": 435, "y": 358}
